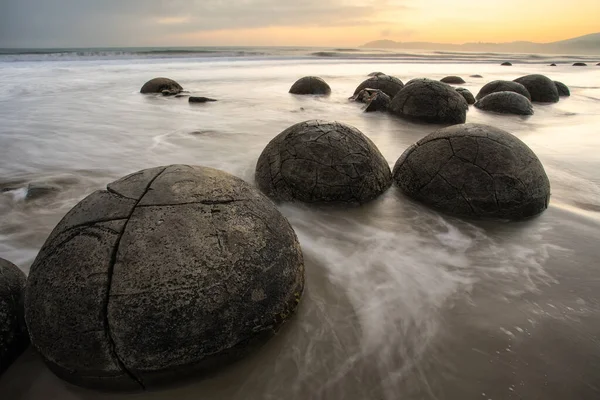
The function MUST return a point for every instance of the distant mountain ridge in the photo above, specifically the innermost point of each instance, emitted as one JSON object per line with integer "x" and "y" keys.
{"x": 587, "y": 44}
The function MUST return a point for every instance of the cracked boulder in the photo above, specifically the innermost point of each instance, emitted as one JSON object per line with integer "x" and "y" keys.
{"x": 310, "y": 85}
{"x": 466, "y": 93}
{"x": 170, "y": 273}
{"x": 476, "y": 171}
{"x": 502, "y": 86}
{"x": 541, "y": 88}
{"x": 387, "y": 84}
{"x": 563, "y": 90}
{"x": 375, "y": 99}
{"x": 455, "y": 80}
{"x": 160, "y": 85}
{"x": 322, "y": 162}
{"x": 505, "y": 103}
{"x": 14, "y": 338}
{"x": 430, "y": 101}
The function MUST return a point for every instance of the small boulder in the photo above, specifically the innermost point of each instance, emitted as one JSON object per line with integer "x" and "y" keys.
{"x": 387, "y": 84}
{"x": 375, "y": 99}
{"x": 376, "y": 73}
{"x": 14, "y": 338}
{"x": 159, "y": 85}
{"x": 200, "y": 99}
{"x": 310, "y": 85}
{"x": 39, "y": 190}
{"x": 476, "y": 171}
{"x": 506, "y": 64}
{"x": 466, "y": 93}
{"x": 502, "y": 86}
{"x": 553, "y": 65}
{"x": 455, "y": 80}
{"x": 563, "y": 90}
{"x": 322, "y": 162}
{"x": 430, "y": 101}
{"x": 579, "y": 64}
{"x": 476, "y": 76}
{"x": 541, "y": 88}
{"x": 506, "y": 103}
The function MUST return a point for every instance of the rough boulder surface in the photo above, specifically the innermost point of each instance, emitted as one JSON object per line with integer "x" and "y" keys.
{"x": 563, "y": 90}
{"x": 430, "y": 101}
{"x": 474, "y": 170}
{"x": 453, "y": 80}
{"x": 540, "y": 87}
{"x": 160, "y": 85}
{"x": 579, "y": 64}
{"x": 14, "y": 338}
{"x": 375, "y": 99}
{"x": 387, "y": 84}
{"x": 322, "y": 162}
{"x": 506, "y": 103}
{"x": 466, "y": 93}
{"x": 310, "y": 85}
{"x": 169, "y": 273}
{"x": 502, "y": 86}
{"x": 506, "y": 64}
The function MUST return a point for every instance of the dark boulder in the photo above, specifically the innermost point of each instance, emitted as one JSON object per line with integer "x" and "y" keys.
{"x": 466, "y": 93}
{"x": 563, "y": 90}
{"x": 553, "y": 65}
{"x": 476, "y": 76}
{"x": 474, "y": 170}
{"x": 579, "y": 64}
{"x": 541, "y": 88}
{"x": 506, "y": 103}
{"x": 14, "y": 338}
{"x": 159, "y": 85}
{"x": 39, "y": 190}
{"x": 310, "y": 85}
{"x": 199, "y": 99}
{"x": 376, "y": 73}
{"x": 506, "y": 64}
{"x": 169, "y": 273}
{"x": 453, "y": 80}
{"x": 430, "y": 101}
{"x": 387, "y": 84}
{"x": 502, "y": 86}
{"x": 375, "y": 99}
{"x": 322, "y": 162}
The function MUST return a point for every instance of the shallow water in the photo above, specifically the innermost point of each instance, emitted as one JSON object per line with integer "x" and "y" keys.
{"x": 401, "y": 302}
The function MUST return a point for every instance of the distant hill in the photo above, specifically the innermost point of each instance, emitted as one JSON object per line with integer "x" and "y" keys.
{"x": 588, "y": 44}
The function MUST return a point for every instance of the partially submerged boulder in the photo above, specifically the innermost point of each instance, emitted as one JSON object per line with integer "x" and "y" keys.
{"x": 169, "y": 273}
{"x": 310, "y": 85}
{"x": 506, "y": 64}
{"x": 474, "y": 170}
{"x": 553, "y": 65}
{"x": 466, "y": 93}
{"x": 200, "y": 99}
{"x": 476, "y": 76}
{"x": 453, "y": 80}
{"x": 37, "y": 190}
{"x": 430, "y": 101}
{"x": 160, "y": 85}
{"x": 387, "y": 84}
{"x": 541, "y": 88}
{"x": 506, "y": 103}
{"x": 502, "y": 86}
{"x": 322, "y": 162}
{"x": 563, "y": 90}
{"x": 375, "y": 99}
{"x": 579, "y": 64}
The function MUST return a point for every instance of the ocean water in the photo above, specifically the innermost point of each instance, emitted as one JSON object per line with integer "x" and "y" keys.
{"x": 400, "y": 301}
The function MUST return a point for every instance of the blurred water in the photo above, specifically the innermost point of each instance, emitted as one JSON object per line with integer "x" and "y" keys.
{"x": 401, "y": 302}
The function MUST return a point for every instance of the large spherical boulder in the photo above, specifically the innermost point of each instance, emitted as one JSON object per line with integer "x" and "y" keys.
{"x": 322, "y": 162}
{"x": 430, "y": 101}
{"x": 474, "y": 170}
{"x": 170, "y": 272}
{"x": 453, "y": 80}
{"x": 563, "y": 90}
{"x": 502, "y": 86}
{"x": 158, "y": 85}
{"x": 466, "y": 93}
{"x": 541, "y": 88}
{"x": 375, "y": 99}
{"x": 506, "y": 103}
{"x": 14, "y": 338}
{"x": 388, "y": 84}
{"x": 310, "y": 85}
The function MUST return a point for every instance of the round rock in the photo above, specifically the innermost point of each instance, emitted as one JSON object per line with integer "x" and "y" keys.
{"x": 13, "y": 332}
{"x": 476, "y": 76}
{"x": 540, "y": 87}
{"x": 579, "y": 64}
{"x": 387, "y": 84}
{"x": 453, "y": 80}
{"x": 506, "y": 64}
{"x": 474, "y": 170}
{"x": 375, "y": 99}
{"x": 553, "y": 65}
{"x": 169, "y": 273}
{"x": 322, "y": 162}
{"x": 430, "y": 101}
{"x": 563, "y": 90}
{"x": 466, "y": 93}
{"x": 506, "y": 103}
{"x": 503, "y": 86}
{"x": 310, "y": 85}
{"x": 159, "y": 85}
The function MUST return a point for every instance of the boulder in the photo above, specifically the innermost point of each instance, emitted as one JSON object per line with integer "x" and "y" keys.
{"x": 310, "y": 85}
{"x": 563, "y": 90}
{"x": 540, "y": 87}
{"x": 553, "y": 65}
{"x": 502, "y": 86}
{"x": 466, "y": 93}
{"x": 506, "y": 64}
{"x": 170, "y": 273}
{"x": 579, "y": 64}
{"x": 506, "y": 103}
{"x": 199, "y": 99}
{"x": 474, "y": 170}
{"x": 13, "y": 332}
{"x": 376, "y": 73}
{"x": 159, "y": 85}
{"x": 453, "y": 80}
{"x": 322, "y": 162}
{"x": 387, "y": 84}
{"x": 38, "y": 190}
{"x": 375, "y": 99}
{"x": 476, "y": 76}
{"x": 430, "y": 101}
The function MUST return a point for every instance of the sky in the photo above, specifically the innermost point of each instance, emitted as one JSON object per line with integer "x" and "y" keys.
{"x": 122, "y": 23}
